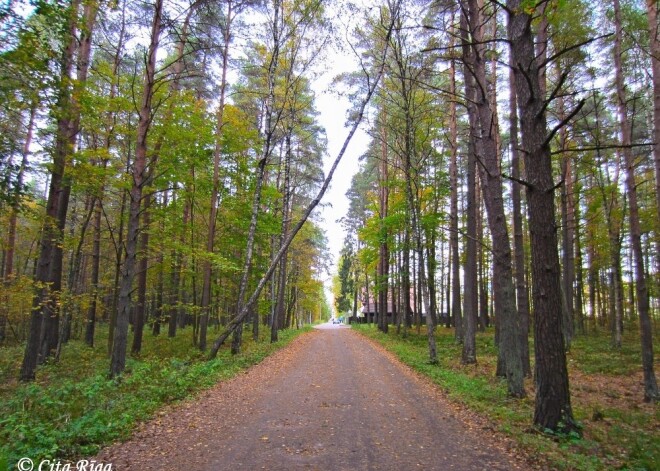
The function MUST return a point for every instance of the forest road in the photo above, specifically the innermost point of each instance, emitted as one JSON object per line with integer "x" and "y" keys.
{"x": 331, "y": 400}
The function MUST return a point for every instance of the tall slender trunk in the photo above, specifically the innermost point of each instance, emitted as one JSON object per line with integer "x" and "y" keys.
{"x": 553, "y": 404}
{"x": 470, "y": 279}
{"x": 482, "y": 272}
{"x": 13, "y": 216}
{"x": 455, "y": 313}
{"x": 568, "y": 225}
{"x": 210, "y": 240}
{"x": 76, "y": 267}
{"x": 651, "y": 393}
{"x": 486, "y": 148}
{"x": 431, "y": 267}
{"x": 58, "y": 334}
{"x": 140, "y": 179}
{"x": 271, "y": 121}
{"x": 8, "y": 250}
{"x": 383, "y": 250}
{"x": 579, "y": 277}
{"x": 286, "y": 215}
{"x": 44, "y": 318}
{"x": 414, "y": 214}
{"x": 140, "y": 308}
{"x": 119, "y": 252}
{"x": 614, "y": 221}
{"x": 119, "y": 244}
{"x": 522, "y": 292}
{"x": 176, "y": 311}
{"x": 654, "y": 42}
{"x": 96, "y": 263}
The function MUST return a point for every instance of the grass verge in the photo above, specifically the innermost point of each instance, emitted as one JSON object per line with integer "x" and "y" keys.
{"x": 619, "y": 430}
{"x": 72, "y": 409}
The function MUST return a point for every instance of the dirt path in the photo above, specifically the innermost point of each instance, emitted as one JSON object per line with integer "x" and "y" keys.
{"x": 332, "y": 400}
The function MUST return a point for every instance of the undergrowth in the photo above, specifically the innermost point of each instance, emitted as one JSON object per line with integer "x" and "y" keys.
{"x": 72, "y": 409}
{"x": 614, "y": 438}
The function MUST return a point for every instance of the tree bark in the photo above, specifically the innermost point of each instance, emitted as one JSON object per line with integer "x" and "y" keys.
{"x": 42, "y": 334}
{"x": 207, "y": 268}
{"x": 271, "y": 121}
{"x": 522, "y": 291}
{"x": 140, "y": 308}
{"x": 470, "y": 278}
{"x": 455, "y": 312}
{"x": 139, "y": 174}
{"x": 90, "y": 325}
{"x": 485, "y": 132}
{"x": 8, "y": 274}
{"x": 568, "y": 225}
{"x": 553, "y": 409}
{"x": 651, "y": 393}
{"x": 286, "y": 214}
{"x": 654, "y": 42}
{"x": 383, "y": 249}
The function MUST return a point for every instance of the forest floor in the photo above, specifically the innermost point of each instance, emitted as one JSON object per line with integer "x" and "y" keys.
{"x": 331, "y": 400}
{"x": 618, "y": 429}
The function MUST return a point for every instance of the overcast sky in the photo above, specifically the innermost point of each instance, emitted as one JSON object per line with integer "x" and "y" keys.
{"x": 332, "y": 117}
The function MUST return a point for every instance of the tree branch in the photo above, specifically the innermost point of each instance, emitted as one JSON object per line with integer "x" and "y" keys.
{"x": 238, "y": 319}
{"x": 563, "y": 123}
{"x": 518, "y": 180}
{"x": 603, "y": 147}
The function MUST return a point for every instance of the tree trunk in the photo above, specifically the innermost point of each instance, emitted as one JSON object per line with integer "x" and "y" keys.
{"x": 485, "y": 144}
{"x": 8, "y": 250}
{"x": 158, "y": 311}
{"x": 176, "y": 311}
{"x": 579, "y": 282}
{"x": 96, "y": 263}
{"x": 522, "y": 292}
{"x": 207, "y": 269}
{"x": 455, "y": 312}
{"x": 646, "y": 329}
{"x": 118, "y": 361}
{"x": 140, "y": 308}
{"x": 383, "y": 251}
{"x": 654, "y": 42}
{"x": 43, "y": 330}
{"x": 553, "y": 409}
{"x": 567, "y": 224}
{"x": 286, "y": 214}
{"x": 470, "y": 279}
{"x": 74, "y": 279}
{"x": 271, "y": 121}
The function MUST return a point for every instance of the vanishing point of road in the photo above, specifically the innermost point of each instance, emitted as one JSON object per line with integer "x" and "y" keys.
{"x": 331, "y": 400}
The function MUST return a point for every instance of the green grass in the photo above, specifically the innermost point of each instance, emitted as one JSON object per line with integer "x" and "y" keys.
{"x": 625, "y": 438}
{"x": 594, "y": 354}
{"x": 72, "y": 409}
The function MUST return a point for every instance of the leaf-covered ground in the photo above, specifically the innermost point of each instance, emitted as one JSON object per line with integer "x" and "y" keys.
{"x": 332, "y": 400}
{"x": 73, "y": 408}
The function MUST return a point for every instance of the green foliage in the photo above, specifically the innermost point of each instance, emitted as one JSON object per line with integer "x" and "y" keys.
{"x": 345, "y": 285}
{"x": 593, "y": 353}
{"x": 74, "y": 408}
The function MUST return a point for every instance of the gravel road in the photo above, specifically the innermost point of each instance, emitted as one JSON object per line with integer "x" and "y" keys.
{"x": 332, "y": 400}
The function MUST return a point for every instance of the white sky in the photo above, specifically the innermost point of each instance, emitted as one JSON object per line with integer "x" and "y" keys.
{"x": 334, "y": 205}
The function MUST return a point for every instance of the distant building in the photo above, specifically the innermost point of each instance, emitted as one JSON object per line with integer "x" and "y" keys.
{"x": 368, "y": 311}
